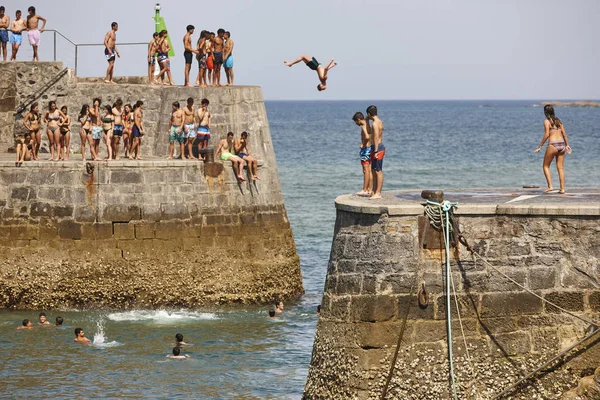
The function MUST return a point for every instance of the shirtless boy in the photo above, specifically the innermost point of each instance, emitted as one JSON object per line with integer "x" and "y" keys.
{"x": 152, "y": 50}
{"x": 365, "y": 152}
{"x": 313, "y": 64}
{"x": 43, "y": 320}
{"x": 137, "y": 131}
{"x": 243, "y": 152}
{"x": 176, "y": 354}
{"x": 228, "y": 57}
{"x": 203, "y": 127}
{"x": 4, "y": 24}
{"x": 80, "y": 336}
{"x": 218, "y": 45}
{"x": 16, "y": 38}
{"x": 163, "y": 57}
{"x": 179, "y": 341}
{"x": 176, "y": 130}
{"x": 110, "y": 44}
{"x": 26, "y": 324}
{"x": 117, "y": 112}
{"x": 188, "y": 53}
{"x": 189, "y": 126}
{"x": 377, "y": 151}
{"x": 225, "y": 152}
{"x": 33, "y": 34}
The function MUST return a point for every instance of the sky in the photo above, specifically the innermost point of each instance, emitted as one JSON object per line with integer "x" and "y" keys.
{"x": 385, "y": 49}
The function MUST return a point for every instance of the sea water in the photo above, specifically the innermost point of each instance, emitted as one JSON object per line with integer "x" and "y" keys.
{"x": 237, "y": 352}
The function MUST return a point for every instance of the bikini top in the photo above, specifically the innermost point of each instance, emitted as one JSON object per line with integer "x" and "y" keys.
{"x": 107, "y": 120}
{"x": 34, "y": 117}
{"x": 53, "y": 118}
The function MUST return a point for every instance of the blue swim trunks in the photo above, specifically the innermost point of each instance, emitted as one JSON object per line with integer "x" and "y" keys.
{"x": 203, "y": 133}
{"x": 229, "y": 62}
{"x": 16, "y": 38}
{"x": 4, "y": 35}
{"x": 118, "y": 130}
{"x": 96, "y": 132}
{"x": 377, "y": 157}
{"x": 365, "y": 155}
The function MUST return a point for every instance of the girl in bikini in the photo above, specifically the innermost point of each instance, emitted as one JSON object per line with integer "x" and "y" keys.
{"x": 127, "y": 123}
{"x": 52, "y": 119}
{"x": 65, "y": 133}
{"x": 85, "y": 133}
{"x": 108, "y": 123}
{"x": 558, "y": 144}
{"x": 32, "y": 123}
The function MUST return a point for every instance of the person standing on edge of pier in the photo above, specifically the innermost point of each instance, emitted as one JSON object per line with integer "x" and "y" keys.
{"x": 152, "y": 50}
{"x": 176, "y": 131}
{"x": 228, "y": 57}
{"x": 4, "y": 24}
{"x": 203, "y": 129}
{"x": 137, "y": 131}
{"x": 189, "y": 122}
{"x": 110, "y": 44}
{"x": 163, "y": 57}
{"x": 33, "y": 34}
{"x": 218, "y": 56}
{"x": 365, "y": 153}
{"x": 16, "y": 38}
{"x": 377, "y": 151}
{"x": 188, "y": 54}
{"x": 96, "y": 120}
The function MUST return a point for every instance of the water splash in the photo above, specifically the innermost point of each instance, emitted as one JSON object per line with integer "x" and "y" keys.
{"x": 161, "y": 316}
{"x": 100, "y": 338}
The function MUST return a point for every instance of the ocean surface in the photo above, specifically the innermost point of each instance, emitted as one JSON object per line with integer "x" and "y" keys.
{"x": 239, "y": 352}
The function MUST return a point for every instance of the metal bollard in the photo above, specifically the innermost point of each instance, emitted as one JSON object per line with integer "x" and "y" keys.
{"x": 433, "y": 195}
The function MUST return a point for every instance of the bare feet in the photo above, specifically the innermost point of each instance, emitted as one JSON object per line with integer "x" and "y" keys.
{"x": 67, "y": 159}
{"x": 183, "y": 158}
{"x": 168, "y": 158}
{"x": 561, "y": 191}
{"x": 375, "y": 197}
{"x": 241, "y": 178}
{"x": 131, "y": 157}
{"x": 548, "y": 190}
{"x": 188, "y": 85}
{"x": 363, "y": 193}
{"x": 106, "y": 81}
{"x": 138, "y": 158}
{"x": 256, "y": 177}
{"x": 113, "y": 82}
{"x": 289, "y": 64}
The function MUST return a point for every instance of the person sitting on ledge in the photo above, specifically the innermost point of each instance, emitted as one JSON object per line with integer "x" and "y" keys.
{"x": 80, "y": 336}
{"x": 225, "y": 150}
{"x": 176, "y": 131}
{"x": 26, "y": 324}
{"x": 176, "y": 354}
{"x": 23, "y": 146}
{"x": 313, "y": 64}
{"x": 242, "y": 151}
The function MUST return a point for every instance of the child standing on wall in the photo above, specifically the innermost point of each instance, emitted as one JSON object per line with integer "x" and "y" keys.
{"x": 365, "y": 153}
{"x": 137, "y": 131}
{"x": 176, "y": 130}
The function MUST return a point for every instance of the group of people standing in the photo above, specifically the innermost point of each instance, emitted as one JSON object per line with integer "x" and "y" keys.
{"x": 111, "y": 125}
{"x": 16, "y": 28}
{"x": 212, "y": 52}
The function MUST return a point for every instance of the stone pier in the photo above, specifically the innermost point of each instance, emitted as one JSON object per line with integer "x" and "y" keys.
{"x": 140, "y": 234}
{"x": 384, "y": 251}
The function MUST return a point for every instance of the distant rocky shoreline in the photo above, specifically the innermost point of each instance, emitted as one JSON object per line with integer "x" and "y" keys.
{"x": 581, "y": 103}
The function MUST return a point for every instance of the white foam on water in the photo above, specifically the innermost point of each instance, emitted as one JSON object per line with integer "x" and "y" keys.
{"x": 100, "y": 337}
{"x": 162, "y": 316}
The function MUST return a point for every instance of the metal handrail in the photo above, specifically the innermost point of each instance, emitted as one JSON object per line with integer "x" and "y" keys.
{"x": 77, "y": 45}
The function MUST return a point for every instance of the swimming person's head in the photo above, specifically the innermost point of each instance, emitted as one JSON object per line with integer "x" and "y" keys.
{"x": 549, "y": 113}
{"x": 59, "y": 321}
{"x": 319, "y": 309}
{"x": 271, "y": 313}
{"x": 26, "y": 322}
{"x": 176, "y": 351}
{"x": 279, "y": 305}
{"x": 372, "y": 111}
{"x": 42, "y": 317}
{"x": 179, "y": 338}
{"x": 78, "y": 332}
{"x": 358, "y": 118}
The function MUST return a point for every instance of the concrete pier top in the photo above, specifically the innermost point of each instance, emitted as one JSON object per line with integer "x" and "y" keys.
{"x": 491, "y": 201}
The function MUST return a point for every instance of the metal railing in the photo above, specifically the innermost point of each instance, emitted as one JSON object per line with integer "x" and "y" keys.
{"x": 78, "y": 45}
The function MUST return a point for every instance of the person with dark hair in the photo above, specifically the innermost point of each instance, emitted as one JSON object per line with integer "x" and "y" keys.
{"x": 189, "y": 126}
{"x": 117, "y": 112}
{"x": 377, "y": 151}
{"x": 110, "y": 49}
{"x": 218, "y": 45}
{"x": 16, "y": 37}
{"x": 137, "y": 131}
{"x": 59, "y": 321}
{"x": 65, "y": 135}
{"x": 163, "y": 57}
{"x": 108, "y": 123}
{"x": 242, "y": 151}
{"x": 176, "y": 131}
{"x": 25, "y": 324}
{"x": 319, "y": 309}
{"x": 80, "y": 336}
{"x": 313, "y": 64}
{"x": 4, "y": 24}
{"x": 203, "y": 125}
{"x": 188, "y": 54}
{"x": 42, "y": 319}
{"x": 152, "y": 50}
{"x": 127, "y": 127}
{"x": 32, "y": 124}
{"x": 179, "y": 341}
{"x": 225, "y": 152}
{"x": 33, "y": 34}
{"x": 271, "y": 313}
{"x": 52, "y": 119}
{"x": 85, "y": 132}
{"x": 278, "y": 307}
{"x": 365, "y": 152}
{"x": 96, "y": 121}
{"x": 176, "y": 354}
{"x": 202, "y": 54}
{"x": 228, "y": 56}
{"x": 210, "y": 59}
{"x": 23, "y": 145}
{"x": 558, "y": 144}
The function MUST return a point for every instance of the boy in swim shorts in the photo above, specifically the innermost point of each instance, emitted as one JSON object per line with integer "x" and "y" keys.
{"x": 189, "y": 126}
{"x": 33, "y": 34}
{"x": 377, "y": 151}
{"x": 313, "y": 64}
{"x": 16, "y": 38}
{"x": 203, "y": 127}
{"x": 176, "y": 131}
{"x": 4, "y": 24}
{"x": 110, "y": 50}
{"x": 365, "y": 152}
{"x": 225, "y": 153}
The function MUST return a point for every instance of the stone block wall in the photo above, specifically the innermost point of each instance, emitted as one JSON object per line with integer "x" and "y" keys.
{"x": 375, "y": 265}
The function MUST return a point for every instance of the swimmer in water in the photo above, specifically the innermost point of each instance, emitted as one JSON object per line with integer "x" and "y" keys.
{"x": 43, "y": 320}
{"x": 59, "y": 322}
{"x": 179, "y": 341}
{"x": 278, "y": 307}
{"x": 313, "y": 64}
{"x": 26, "y": 324}
{"x": 271, "y": 313}
{"x": 176, "y": 354}
{"x": 80, "y": 336}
